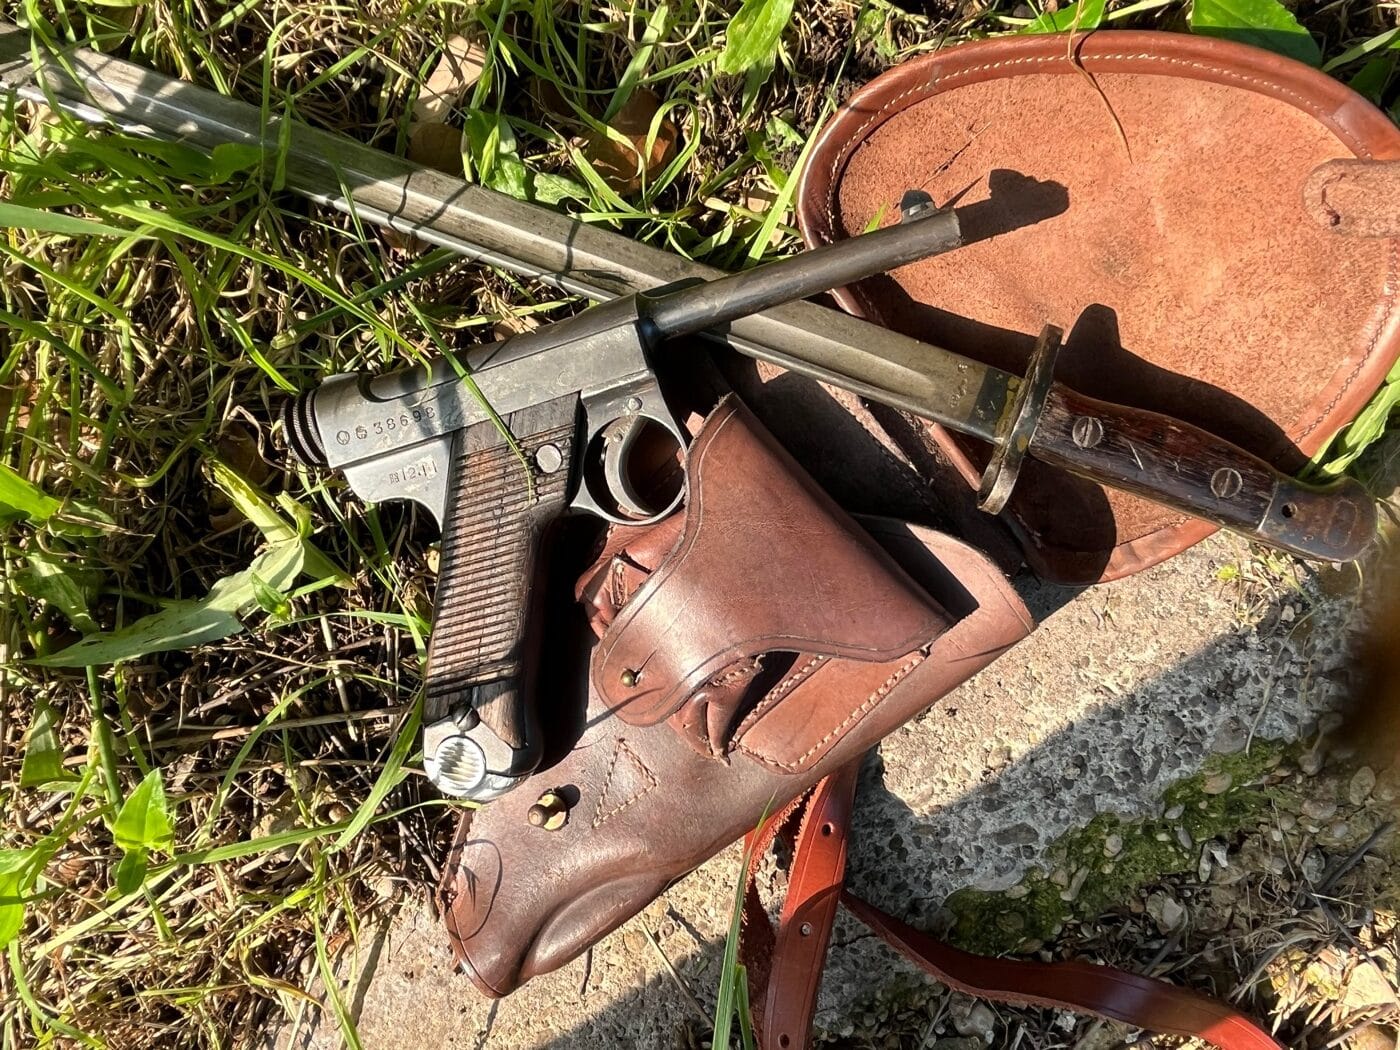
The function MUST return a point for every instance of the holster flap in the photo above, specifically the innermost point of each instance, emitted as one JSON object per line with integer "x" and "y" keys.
{"x": 765, "y": 563}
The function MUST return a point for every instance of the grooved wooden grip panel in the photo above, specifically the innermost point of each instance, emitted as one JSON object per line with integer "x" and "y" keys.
{"x": 1191, "y": 470}
{"x": 490, "y": 553}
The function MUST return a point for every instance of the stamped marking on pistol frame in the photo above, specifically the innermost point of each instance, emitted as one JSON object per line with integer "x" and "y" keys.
{"x": 406, "y": 422}
{"x": 422, "y": 470}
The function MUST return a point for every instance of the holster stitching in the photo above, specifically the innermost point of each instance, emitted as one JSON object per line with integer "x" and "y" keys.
{"x": 599, "y": 817}
{"x": 782, "y": 689}
{"x": 870, "y": 701}
{"x": 737, "y": 674}
{"x": 936, "y": 84}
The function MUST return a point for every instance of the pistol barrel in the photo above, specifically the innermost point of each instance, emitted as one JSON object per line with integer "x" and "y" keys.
{"x": 716, "y": 303}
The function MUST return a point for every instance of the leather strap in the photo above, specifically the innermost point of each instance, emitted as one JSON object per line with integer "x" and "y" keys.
{"x": 817, "y": 881}
{"x": 809, "y": 911}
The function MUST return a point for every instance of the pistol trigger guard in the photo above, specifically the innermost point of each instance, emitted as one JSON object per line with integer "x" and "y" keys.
{"x": 623, "y": 423}
{"x": 619, "y": 439}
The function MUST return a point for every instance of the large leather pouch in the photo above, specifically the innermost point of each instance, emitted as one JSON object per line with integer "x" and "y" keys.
{"x": 1186, "y": 270}
{"x": 744, "y": 650}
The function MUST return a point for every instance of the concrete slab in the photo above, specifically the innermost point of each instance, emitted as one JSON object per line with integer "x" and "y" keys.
{"x": 1124, "y": 689}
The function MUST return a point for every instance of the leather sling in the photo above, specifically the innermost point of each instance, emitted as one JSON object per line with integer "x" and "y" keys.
{"x": 786, "y": 963}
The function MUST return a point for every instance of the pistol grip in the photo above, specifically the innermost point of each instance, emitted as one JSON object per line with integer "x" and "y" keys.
{"x": 499, "y": 514}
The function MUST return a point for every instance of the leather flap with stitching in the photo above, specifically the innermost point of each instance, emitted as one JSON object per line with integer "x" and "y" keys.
{"x": 766, "y": 563}
{"x": 1187, "y": 270}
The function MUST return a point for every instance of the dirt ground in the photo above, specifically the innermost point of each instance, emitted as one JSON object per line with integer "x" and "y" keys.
{"x": 1147, "y": 781}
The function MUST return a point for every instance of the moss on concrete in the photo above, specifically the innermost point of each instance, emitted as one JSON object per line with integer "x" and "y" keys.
{"x": 1108, "y": 859}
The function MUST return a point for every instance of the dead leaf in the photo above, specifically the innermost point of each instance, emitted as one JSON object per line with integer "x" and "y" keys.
{"x": 551, "y": 100}
{"x": 110, "y": 24}
{"x": 23, "y": 391}
{"x": 1372, "y": 1037}
{"x": 460, "y": 67}
{"x": 760, "y": 199}
{"x": 750, "y": 211}
{"x": 436, "y": 146}
{"x": 1355, "y": 983}
{"x": 514, "y": 324}
{"x": 620, "y": 163}
{"x": 238, "y": 447}
{"x": 1367, "y": 987}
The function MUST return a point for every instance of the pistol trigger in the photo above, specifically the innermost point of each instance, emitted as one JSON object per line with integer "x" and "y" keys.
{"x": 618, "y": 441}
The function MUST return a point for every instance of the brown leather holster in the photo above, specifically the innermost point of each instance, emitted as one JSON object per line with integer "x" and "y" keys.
{"x": 744, "y": 649}
{"x": 746, "y": 653}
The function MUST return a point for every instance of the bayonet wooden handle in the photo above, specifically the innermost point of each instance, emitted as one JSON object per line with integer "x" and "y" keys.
{"x": 1184, "y": 467}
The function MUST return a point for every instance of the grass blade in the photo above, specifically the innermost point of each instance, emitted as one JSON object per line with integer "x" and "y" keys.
{"x": 389, "y": 778}
{"x": 38, "y": 220}
{"x": 754, "y": 34}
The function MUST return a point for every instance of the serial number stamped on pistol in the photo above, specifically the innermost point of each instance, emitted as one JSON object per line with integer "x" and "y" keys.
{"x": 387, "y": 425}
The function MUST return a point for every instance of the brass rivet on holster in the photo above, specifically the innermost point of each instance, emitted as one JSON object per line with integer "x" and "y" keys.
{"x": 550, "y": 812}
{"x": 629, "y": 678}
